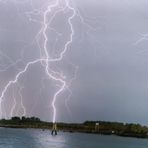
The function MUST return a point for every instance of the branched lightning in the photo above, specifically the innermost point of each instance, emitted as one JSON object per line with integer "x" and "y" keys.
{"x": 144, "y": 37}
{"x": 15, "y": 81}
{"x": 45, "y": 58}
{"x": 48, "y": 12}
{"x": 50, "y": 72}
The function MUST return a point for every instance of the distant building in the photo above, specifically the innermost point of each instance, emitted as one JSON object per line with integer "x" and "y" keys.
{"x": 97, "y": 127}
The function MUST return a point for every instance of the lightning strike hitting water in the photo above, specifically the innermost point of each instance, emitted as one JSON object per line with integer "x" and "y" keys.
{"x": 47, "y": 13}
{"x": 45, "y": 58}
{"x": 48, "y": 59}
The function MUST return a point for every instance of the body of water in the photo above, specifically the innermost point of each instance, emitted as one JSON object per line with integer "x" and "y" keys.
{"x": 34, "y": 138}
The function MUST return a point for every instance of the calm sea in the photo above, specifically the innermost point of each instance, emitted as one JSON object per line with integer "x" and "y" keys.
{"x": 30, "y": 138}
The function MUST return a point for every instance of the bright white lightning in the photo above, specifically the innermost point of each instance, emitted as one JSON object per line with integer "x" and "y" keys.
{"x": 50, "y": 72}
{"x": 46, "y": 59}
{"x": 15, "y": 81}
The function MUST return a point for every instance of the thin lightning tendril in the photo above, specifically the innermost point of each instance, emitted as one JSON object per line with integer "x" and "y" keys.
{"x": 14, "y": 104}
{"x": 48, "y": 59}
{"x": 45, "y": 59}
{"x": 144, "y": 37}
{"x": 48, "y": 13}
{"x": 15, "y": 81}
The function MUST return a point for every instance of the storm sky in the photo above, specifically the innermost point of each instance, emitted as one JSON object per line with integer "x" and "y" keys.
{"x": 110, "y": 48}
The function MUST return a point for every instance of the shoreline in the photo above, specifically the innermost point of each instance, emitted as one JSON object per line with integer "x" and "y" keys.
{"x": 72, "y": 131}
{"x": 88, "y": 127}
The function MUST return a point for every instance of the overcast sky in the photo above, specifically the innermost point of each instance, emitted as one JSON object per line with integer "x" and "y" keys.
{"x": 110, "y": 47}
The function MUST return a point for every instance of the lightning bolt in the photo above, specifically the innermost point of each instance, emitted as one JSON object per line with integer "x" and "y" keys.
{"x": 45, "y": 58}
{"x": 22, "y": 107}
{"x": 14, "y": 104}
{"x": 48, "y": 12}
{"x": 49, "y": 71}
{"x": 15, "y": 81}
{"x": 144, "y": 37}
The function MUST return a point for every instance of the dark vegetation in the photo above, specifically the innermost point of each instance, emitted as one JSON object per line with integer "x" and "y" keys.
{"x": 120, "y": 129}
{"x": 103, "y": 127}
{"x": 25, "y": 122}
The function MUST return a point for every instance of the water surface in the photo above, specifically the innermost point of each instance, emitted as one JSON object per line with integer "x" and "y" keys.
{"x": 34, "y": 138}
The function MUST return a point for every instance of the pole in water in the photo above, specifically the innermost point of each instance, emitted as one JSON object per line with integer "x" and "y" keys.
{"x": 54, "y": 129}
